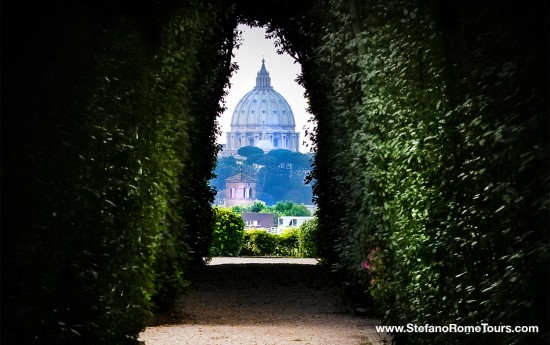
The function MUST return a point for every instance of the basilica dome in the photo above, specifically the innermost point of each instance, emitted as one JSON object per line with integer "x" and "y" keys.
{"x": 263, "y": 118}
{"x": 263, "y": 106}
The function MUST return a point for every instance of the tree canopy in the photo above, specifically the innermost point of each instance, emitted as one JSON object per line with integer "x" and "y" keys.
{"x": 281, "y": 208}
{"x": 280, "y": 174}
{"x": 247, "y": 151}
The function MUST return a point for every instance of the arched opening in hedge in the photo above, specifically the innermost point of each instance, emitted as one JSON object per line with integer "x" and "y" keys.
{"x": 432, "y": 122}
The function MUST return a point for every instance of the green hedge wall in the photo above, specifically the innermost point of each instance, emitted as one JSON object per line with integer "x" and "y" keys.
{"x": 298, "y": 242}
{"x": 227, "y": 234}
{"x": 259, "y": 243}
{"x": 111, "y": 128}
{"x": 432, "y": 151}
{"x": 308, "y": 238}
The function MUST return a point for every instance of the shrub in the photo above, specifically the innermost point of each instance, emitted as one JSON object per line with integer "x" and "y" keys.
{"x": 308, "y": 239}
{"x": 287, "y": 243}
{"x": 259, "y": 243}
{"x": 295, "y": 242}
{"x": 228, "y": 233}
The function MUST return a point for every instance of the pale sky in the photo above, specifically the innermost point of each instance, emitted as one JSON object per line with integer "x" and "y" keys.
{"x": 282, "y": 70}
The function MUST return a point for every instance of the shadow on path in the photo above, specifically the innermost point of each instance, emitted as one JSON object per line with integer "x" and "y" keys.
{"x": 258, "y": 303}
{"x": 260, "y": 293}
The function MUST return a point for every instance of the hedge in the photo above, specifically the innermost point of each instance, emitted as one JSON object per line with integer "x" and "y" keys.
{"x": 227, "y": 234}
{"x": 107, "y": 143}
{"x": 293, "y": 242}
{"x": 432, "y": 152}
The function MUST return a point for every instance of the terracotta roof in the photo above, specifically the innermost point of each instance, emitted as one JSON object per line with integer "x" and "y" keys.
{"x": 240, "y": 178}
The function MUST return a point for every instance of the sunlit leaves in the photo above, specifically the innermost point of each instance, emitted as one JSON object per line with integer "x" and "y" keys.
{"x": 427, "y": 166}
{"x": 228, "y": 233}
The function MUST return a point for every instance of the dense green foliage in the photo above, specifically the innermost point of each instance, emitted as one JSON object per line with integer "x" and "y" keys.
{"x": 287, "y": 243}
{"x": 110, "y": 132}
{"x": 247, "y": 151}
{"x": 308, "y": 238}
{"x": 279, "y": 174}
{"x": 256, "y": 207}
{"x": 298, "y": 242}
{"x": 259, "y": 243}
{"x": 288, "y": 208}
{"x": 281, "y": 208}
{"x": 225, "y": 168}
{"x": 228, "y": 233}
{"x": 432, "y": 146}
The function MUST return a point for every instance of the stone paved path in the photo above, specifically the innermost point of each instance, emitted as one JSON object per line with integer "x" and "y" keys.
{"x": 262, "y": 301}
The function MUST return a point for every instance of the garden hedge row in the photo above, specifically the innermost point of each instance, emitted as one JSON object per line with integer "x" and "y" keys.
{"x": 298, "y": 242}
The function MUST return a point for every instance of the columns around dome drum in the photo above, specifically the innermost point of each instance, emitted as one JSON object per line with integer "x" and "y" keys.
{"x": 278, "y": 140}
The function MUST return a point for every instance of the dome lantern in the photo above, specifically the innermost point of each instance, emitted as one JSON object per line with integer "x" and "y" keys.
{"x": 263, "y": 80}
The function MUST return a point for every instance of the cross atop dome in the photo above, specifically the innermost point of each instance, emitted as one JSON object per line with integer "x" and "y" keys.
{"x": 263, "y": 80}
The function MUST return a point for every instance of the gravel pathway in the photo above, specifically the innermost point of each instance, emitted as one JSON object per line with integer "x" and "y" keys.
{"x": 262, "y": 301}
{"x": 245, "y": 260}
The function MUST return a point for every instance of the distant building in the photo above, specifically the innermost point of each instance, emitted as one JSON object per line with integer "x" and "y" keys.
{"x": 262, "y": 118}
{"x": 240, "y": 189}
{"x": 291, "y": 222}
{"x": 258, "y": 220}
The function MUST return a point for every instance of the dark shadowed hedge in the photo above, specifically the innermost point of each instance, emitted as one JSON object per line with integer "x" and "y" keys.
{"x": 432, "y": 158}
{"x": 110, "y": 126}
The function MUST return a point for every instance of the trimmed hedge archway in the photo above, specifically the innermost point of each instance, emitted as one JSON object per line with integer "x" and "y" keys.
{"x": 431, "y": 163}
